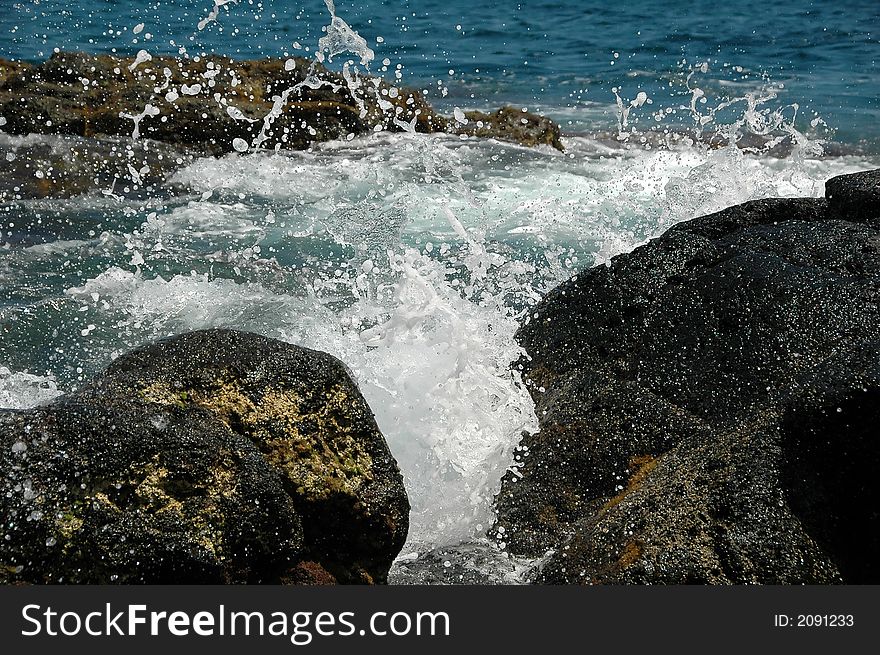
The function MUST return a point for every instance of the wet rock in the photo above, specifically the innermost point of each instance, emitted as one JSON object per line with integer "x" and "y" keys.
{"x": 10, "y": 69}
{"x": 50, "y": 166}
{"x": 856, "y": 195}
{"x": 212, "y": 457}
{"x": 510, "y": 124}
{"x": 207, "y": 105}
{"x": 830, "y": 458}
{"x": 706, "y": 404}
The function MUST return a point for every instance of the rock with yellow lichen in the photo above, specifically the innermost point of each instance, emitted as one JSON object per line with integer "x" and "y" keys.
{"x": 212, "y": 457}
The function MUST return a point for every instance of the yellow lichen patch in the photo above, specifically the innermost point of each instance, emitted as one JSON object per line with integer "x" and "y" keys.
{"x": 641, "y": 466}
{"x": 226, "y": 399}
{"x": 68, "y": 524}
{"x": 224, "y": 480}
{"x": 160, "y": 393}
{"x": 101, "y": 498}
{"x": 151, "y": 489}
{"x": 631, "y": 553}
{"x": 315, "y": 449}
{"x": 322, "y": 459}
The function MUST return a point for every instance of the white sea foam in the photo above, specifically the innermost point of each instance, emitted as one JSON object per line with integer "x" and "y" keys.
{"x": 589, "y": 195}
{"x": 20, "y": 390}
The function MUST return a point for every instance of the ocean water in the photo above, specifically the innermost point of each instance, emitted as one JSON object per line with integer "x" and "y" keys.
{"x": 562, "y": 57}
{"x": 413, "y": 257}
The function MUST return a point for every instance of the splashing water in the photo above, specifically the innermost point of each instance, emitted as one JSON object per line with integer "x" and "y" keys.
{"x": 341, "y": 38}
{"x": 214, "y": 13}
{"x": 369, "y": 251}
{"x": 22, "y": 390}
{"x": 410, "y": 257}
{"x": 149, "y": 111}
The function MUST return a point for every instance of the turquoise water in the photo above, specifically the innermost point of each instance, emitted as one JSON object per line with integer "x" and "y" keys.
{"x": 561, "y": 56}
{"x": 413, "y": 257}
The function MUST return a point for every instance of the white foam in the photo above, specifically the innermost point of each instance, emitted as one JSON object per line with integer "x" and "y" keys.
{"x": 592, "y": 194}
{"x": 434, "y": 369}
{"x": 20, "y": 390}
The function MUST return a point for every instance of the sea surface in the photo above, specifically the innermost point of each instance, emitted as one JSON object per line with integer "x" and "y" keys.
{"x": 411, "y": 257}
{"x": 562, "y": 57}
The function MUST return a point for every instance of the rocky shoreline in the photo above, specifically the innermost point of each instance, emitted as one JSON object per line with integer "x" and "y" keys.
{"x": 708, "y": 404}
{"x": 115, "y": 114}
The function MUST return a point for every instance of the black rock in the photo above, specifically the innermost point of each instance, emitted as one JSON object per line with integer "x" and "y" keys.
{"x": 212, "y": 457}
{"x": 706, "y": 403}
{"x": 856, "y": 195}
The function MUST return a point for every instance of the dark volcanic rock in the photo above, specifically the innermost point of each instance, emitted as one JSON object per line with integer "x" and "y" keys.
{"x": 708, "y": 404}
{"x": 215, "y": 100}
{"x": 212, "y": 457}
{"x": 52, "y": 166}
{"x": 856, "y": 195}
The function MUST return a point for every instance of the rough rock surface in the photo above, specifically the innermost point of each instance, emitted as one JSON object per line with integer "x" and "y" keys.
{"x": 510, "y": 124}
{"x": 53, "y": 166}
{"x": 216, "y": 100}
{"x": 708, "y": 404}
{"x": 212, "y": 457}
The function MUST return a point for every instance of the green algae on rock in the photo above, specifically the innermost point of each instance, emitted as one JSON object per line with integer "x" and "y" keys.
{"x": 212, "y": 457}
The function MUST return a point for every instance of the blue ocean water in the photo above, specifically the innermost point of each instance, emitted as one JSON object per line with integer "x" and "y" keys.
{"x": 562, "y": 57}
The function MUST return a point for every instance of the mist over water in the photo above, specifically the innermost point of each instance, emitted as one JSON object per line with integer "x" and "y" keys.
{"x": 414, "y": 257}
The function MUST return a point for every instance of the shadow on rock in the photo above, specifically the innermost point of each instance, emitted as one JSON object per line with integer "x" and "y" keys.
{"x": 212, "y": 457}
{"x": 708, "y": 404}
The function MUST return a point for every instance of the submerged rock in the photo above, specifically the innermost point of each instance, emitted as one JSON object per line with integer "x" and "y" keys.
{"x": 708, "y": 404}
{"x": 64, "y": 166}
{"x": 478, "y": 562}
{"x": 212, "y": 457}
{"x": 211, "y": 103}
